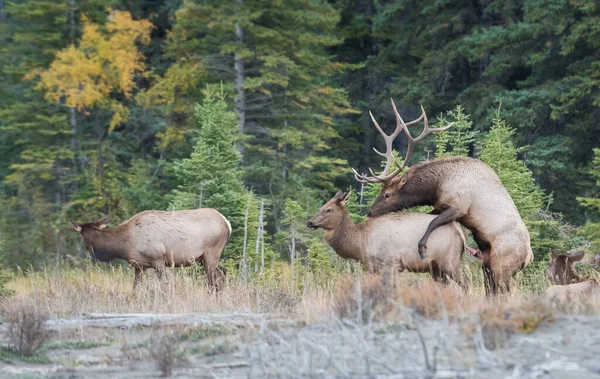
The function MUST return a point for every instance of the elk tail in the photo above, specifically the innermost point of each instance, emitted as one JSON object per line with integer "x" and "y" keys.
{"x": 474, "y": 253}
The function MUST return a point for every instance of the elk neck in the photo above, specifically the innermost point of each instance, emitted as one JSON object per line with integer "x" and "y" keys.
{"x": 423, "y": 185}
{"x": 108, "y": 244}
{"x": 347, "y": 239}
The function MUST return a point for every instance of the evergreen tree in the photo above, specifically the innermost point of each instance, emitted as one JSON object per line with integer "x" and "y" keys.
{"x": 457, "y": 140}
{"x": 592, "y": 229}
{"x": 273, "y": 56}
{"x": 210, "y": 177}
{"x": 499, "y": 152}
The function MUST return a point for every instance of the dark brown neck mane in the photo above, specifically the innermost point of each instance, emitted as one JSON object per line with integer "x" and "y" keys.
{"x": 347, "y": 239}
{"x": 107, "y": 244}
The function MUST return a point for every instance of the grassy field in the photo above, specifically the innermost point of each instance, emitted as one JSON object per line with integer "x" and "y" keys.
{"x": 102, "y": 289}
{"x": 96, "y": 326}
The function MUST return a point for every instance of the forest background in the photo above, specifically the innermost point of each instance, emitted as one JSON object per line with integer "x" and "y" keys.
{"x": 259, "y": 108}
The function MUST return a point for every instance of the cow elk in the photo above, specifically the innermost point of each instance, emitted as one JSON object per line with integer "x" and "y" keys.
{"x": 159, "y": 239}
{"x": 568, "y": 284}
{"x": 460, "y": 189}
{"x": 391, "y": 240}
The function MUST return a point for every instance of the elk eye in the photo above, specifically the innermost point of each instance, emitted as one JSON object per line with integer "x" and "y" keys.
{"x": 328, "y": 211}
{"x": 387, "y": 195}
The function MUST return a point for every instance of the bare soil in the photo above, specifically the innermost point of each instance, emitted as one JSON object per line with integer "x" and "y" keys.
{"x": 236, "y": 345}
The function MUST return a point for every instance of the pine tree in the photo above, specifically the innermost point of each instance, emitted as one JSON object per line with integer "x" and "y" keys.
{"x": 499, "y": 152}
{"x": 210, "y": 177}
{"x": 455, "y": 141}
{"x": 592, "y": 229}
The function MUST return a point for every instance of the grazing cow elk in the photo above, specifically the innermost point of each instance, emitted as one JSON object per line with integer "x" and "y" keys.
{"x": 460, "y": 189}
{"x": 155, "y": 239}
{"x": 391, "y": 240}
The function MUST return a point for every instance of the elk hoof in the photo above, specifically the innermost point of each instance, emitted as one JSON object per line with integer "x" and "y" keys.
{"x": 422, "y": 251}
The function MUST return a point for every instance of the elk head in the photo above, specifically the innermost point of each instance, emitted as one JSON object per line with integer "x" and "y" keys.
{"x": 560, "y": 267}
{"x": 398, "y": 191}
{"x": 85, "y": 229}
{"x": 331, "y": 214}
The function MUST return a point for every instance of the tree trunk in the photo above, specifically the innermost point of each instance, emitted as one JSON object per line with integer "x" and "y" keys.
{"x": 75, "y": 142}
{"x": 293, "y": 251}
{"x": 244, "y": 264}
{"x": 240, "y": 99}
{"x": 2, "y": 14}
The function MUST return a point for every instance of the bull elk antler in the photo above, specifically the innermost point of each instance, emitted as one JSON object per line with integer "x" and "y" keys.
{"x": 400, "y": 125}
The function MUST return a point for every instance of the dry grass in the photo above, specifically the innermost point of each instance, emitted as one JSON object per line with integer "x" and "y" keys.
{"x": 72, "y": 292}
{"x": 500, "y": 320}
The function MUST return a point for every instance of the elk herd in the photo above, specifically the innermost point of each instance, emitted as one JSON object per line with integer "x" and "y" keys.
{"x": 462, "y": 191}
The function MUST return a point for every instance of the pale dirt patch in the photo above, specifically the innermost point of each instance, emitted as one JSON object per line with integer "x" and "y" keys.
{"x": 266, "y": 345}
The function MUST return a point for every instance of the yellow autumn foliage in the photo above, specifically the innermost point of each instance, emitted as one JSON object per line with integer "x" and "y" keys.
{"x": 105, "y": 61}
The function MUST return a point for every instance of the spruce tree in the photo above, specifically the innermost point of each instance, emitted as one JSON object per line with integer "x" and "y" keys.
{"x": 210, "y": 177}
{"x": 500, "y": 153}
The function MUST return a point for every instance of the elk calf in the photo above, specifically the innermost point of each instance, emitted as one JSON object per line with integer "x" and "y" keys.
{"x": 391, "y": 240}
{"x": 156, "y": 239}
{"x": 575, "y": 291}
{"x": 569, "y": 285}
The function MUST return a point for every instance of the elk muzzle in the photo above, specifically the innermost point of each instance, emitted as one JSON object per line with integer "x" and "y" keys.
{"x": 310, "y": 225}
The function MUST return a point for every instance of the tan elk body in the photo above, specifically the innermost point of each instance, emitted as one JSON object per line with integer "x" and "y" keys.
{"x": 159, "y": 239}
{"x": 390, "y": 241}
{"x": 569, "y": 285}
{"x": 460, "y": 189}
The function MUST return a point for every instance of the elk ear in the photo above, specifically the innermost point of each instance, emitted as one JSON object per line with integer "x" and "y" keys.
{"x": 103, "y": 222}
{"x": 576, "y": 256}
{"x": 75, "y": 226}
{"x": 339, "y": 195}
{"x": 345, "y": 199}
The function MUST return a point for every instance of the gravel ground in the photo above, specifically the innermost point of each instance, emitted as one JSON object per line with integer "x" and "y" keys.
{"x": 262, "y": 345}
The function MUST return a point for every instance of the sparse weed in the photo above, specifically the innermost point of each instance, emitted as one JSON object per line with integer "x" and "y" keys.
{"x": 26, "y": 331}
{"x": 166, "y": 351}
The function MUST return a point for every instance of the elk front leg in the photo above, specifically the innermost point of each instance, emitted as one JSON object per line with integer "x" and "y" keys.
{"x": 446, "y": 216}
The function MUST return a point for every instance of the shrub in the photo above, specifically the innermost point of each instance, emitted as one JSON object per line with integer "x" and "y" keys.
{"x": 166, "y": 352}
{"x": 26, "y": 331}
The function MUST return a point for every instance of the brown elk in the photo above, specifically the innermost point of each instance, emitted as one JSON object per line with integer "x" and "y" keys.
{"x": 560, "y": 267}
{"x": 391, "y": 240}
{"x": 575, "y": 291}
{"x": 460, "y": 189}
{"x": 569, "y": 285}
{"x": 158, "y": 239}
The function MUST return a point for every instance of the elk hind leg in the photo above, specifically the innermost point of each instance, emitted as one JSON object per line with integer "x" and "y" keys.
{"x": 214, "y": 275}
{"x": 446, "y": 216}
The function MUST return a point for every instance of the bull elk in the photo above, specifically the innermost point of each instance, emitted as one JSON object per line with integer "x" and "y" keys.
{"x": 391, "y": 240}
{"x": 157, "y": 239}
{"x": 460, "y": 189}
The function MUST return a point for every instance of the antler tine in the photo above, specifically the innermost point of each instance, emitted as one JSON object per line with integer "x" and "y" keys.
{"x": 363, "y": 178}
{"x": 427, "y": 130}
